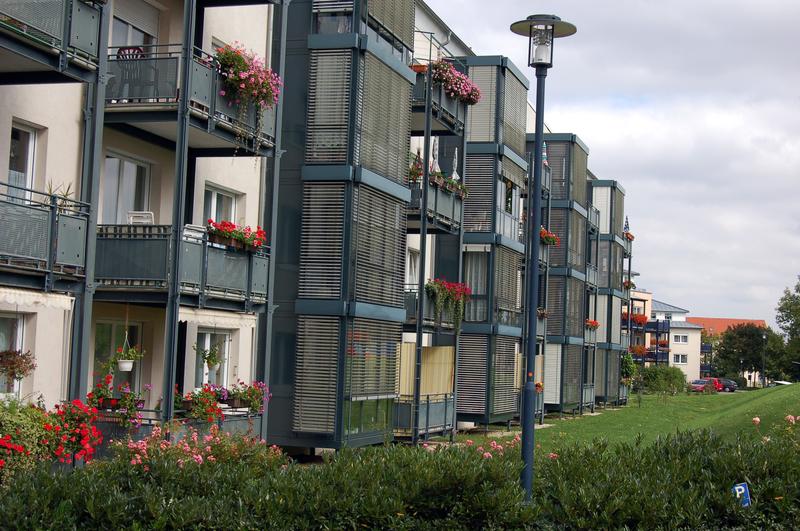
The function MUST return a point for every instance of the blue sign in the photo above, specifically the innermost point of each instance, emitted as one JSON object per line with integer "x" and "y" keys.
{"x": 742, "y": 493}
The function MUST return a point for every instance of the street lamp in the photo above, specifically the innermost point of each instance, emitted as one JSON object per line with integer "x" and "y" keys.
{"x": 764, "y": 361}
{"x": 541, "y": 31}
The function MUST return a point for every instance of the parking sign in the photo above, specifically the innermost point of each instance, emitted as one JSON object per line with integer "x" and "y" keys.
{"x": 742, "y": 492}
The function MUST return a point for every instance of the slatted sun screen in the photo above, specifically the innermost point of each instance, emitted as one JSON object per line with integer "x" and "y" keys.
{"x": 372, "y": 355}
{"x": 380, "y": 246}
{"x": 385, "y": 116}
{"x": 577, "y": 241}
{"x": 576, "y": 320}
{"x": 572, "y": 374}
{"x": 478, "y": 205}
{"x": 322, "y": 241}
{"x": 328, "y": 106}
{"x": 314, "y": 408}
{"x": 579, "y": 183}
{"x": 331, "y": 6}
{"x": 482, "y": 115}
{"x": 397, "y": 16}
{"x": 558, "y": 225}
{"x": 515, "y": 107}
{"x": 472, "y": 352}
{"x": 618, "y": 217}
{"x": 556, "y": 306}
{"x": 507, "y": 279}
{"x": 504, "y": 390}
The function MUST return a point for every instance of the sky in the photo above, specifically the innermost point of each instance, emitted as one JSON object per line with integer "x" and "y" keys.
{"x": 694, "y": 107}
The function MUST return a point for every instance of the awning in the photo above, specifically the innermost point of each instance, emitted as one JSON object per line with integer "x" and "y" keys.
{"x": 31, "y": 301}
{"x": 217, "y": 319}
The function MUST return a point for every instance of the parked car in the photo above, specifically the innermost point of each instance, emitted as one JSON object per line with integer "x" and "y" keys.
{"x": 728, "y": 385}
{"x": 700, "y": 385}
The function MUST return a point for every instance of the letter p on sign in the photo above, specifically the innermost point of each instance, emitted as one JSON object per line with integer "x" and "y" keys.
{"x": 742, "y": 493}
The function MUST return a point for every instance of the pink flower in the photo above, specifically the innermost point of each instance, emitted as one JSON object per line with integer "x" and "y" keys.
{"x": 487, "y": 455}
{"x": 424, "y": 445}
{"x": 198, "y": 459}
{"x": 756, "y": 421}
{"x": 469, "y": 442}
{"x": 552, "y": 455}
{"x": 791, "y": 419}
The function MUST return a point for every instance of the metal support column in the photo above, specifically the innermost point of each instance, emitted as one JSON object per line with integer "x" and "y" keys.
{"x": 178, "y": 207}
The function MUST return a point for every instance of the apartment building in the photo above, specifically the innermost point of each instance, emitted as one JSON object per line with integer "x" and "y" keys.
{"x": 682, "y": 344}
{"x": 119, "y": 172}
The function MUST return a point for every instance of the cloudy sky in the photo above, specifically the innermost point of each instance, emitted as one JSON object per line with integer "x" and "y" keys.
{"x": 694, "y": 106}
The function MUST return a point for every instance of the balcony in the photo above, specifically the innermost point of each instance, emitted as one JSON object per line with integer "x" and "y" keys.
{"x": 135, "y": 258}
{"x": 42, "y": 234}
{"x": 40, "y": 37}
{"x": 509, "y": 317}
{"x": 628, "y": 246}
{"x": 429, "y": 319}
{"x": 143, "y": 92}
{"x": 589, "y": 336}
{"x": 625, "y": 340}
{"x": 436, "y": 414}
{"x": 594, "y": 218}
{"x": 510, "y": 226}
{"x": 591, "y": 275}
{"x": 444, "y": 208}
{"x": 449, "y": 114}
{"x": 587, "y": 395}
{"x": 624, "y": 392}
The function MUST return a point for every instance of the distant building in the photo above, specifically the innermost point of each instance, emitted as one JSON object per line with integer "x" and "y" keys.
{"x": 718, "y": 325}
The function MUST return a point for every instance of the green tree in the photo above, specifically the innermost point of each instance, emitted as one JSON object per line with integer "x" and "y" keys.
{"x": 741, "y": 348}
{"x": 788, "y": 312}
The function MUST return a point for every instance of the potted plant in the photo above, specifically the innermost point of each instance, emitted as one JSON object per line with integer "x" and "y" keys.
{"x": 548, "y": 238}
{"x": 541, "y": 313}
{"x": 211, "y": 356}
{"x": 539, "y": 387}
{"x": 233, "y": 235}
{"x": 250, "y": 396}
{"x": 591, "y": 324}
{"x": 204, "y": 405}
{"x": 629, "y": 284}
{"x": 125, "y": 357}
{"x": 16, "y": 364}
{"x": 415, "y": 168}
{"x": 455, "y": 84}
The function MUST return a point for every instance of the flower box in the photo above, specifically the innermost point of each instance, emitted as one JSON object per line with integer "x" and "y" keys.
{"x": 235, "y": 402}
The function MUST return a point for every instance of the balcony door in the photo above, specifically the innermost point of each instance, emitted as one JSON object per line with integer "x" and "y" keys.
{"x": 10, "y": 339}
{"x": 126, "y": 187}
{"x": 108, "y": 337}
{"x": 206, "y": 340}
{"x": 20, "y": 160}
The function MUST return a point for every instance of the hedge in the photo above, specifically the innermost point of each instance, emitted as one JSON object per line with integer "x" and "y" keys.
{"x": 680, "y": 481}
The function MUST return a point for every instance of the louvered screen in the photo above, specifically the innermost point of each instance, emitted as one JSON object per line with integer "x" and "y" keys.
{"x": 385, "y": 121}
{"x": 504, "y": 390}
{"x": 395, "y": 15}
{"x": 506, "y": 278}
{"x": 471, "y": 381}
{"x": 328, "y": 106}
{"x": 572, "y": 374}
{"x": 618, "y": 212}
{"x": 577, "y": 241}
{"x": 615, "y": 332}
{"x": 617, "y": 257}
{"x": 314, "y": 408}
{"x": 331, "y": 6}
{"x": 603, "y": 264}
{"x": 552, "y": 373}
{"x": 372, "y": 356}
{"x": 613, "y": 374}
{"x": 512, "y": 172}
{"x": 557, "y": 159}
{"x": 321, "y": 241}
{"x": 558, "y": 225}
{"x": 380, "y": 245}
{"x": 579, "y": 162}
{"x": 601, "y": 361}
{"x": 482, "y": 115}
{"x": 603, "y": 316}
{"x": 576, "y": 317}
{"x": 556, "y": 306}
{"x": 478, "y": 205}
{"x": 515, "y": 107}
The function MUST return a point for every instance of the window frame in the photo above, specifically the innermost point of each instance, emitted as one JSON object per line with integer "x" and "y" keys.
{"x": 225, "y": 350}
{"x": 135, "y": 373}
{"x": 215, "y": 192}
{"x": 129, "y": 26}
{"x": 19, "y": 334}
{"x": 31, "y": 162}
{"x": 146, "y": 188}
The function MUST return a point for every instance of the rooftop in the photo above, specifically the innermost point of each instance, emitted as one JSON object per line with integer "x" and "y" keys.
{"x": 659, "y": 306}
{"x": 718, "y": 325}
{"x": 684, "y": 324}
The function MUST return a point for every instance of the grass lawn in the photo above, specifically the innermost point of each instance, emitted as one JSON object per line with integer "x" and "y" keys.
{"x": 725, "y": 413}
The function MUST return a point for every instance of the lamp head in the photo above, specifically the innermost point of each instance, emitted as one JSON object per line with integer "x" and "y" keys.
{"x": 541, "y": 30}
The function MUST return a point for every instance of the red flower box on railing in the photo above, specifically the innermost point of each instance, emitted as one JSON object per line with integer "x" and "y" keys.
{"x": 229, "y": 233}
{"x": 638, "y": 350}
{"x": 639, "y": 319}
{"x": 548, "y": 238}
{"x": 455, "y": 84}
{"x": 628, "y": 236}
{"x": 591, "y": 324}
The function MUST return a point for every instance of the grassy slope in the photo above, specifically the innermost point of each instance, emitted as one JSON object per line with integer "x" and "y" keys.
{"x": 726, "y": 414}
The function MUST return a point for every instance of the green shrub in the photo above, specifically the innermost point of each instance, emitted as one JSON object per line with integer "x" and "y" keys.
{"x": 21, "y": 425}
{"x": 681, "y": 481}
{"x": 664, "y": 380}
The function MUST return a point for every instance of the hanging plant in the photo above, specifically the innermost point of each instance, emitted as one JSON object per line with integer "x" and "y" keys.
{"x": 415, "y": 168}
{"x": 125, "y": 357}
{"x": 638, "y": 350}
{"x": 455, "y": 84}
{"x": 247, "y": 82}
{"x": 629, "y": 284}
{"x": 639, "y": 319}
{"x": 450, "y": 296}
{"x": 548, "y": 238}
{"x": 211, "y": 356}
{"x": 16, "y": 364}
{"x": 591, "y": 324}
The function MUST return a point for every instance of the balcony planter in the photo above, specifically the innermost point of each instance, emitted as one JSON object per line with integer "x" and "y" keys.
{"x": 125, "y": 365}
{"x": 235, "y": 403}
{"x": 227, "y": 241}
{"x": 419, "y": 69}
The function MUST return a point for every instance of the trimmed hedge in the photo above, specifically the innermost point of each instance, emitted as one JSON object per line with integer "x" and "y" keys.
{"x": 681, "y": 481}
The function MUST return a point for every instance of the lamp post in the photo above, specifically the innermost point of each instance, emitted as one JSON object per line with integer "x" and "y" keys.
{"x": 541, "y": 31}
{"x": 764, "y": 361}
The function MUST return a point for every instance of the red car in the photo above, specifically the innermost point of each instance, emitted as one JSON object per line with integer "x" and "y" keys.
{"x": 700, "y": 385}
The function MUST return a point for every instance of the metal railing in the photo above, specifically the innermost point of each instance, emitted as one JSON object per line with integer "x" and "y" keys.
{"x": 135, "y": 257}
{"x": 436, "y": 414}
{"x": 625, "y": 340}
{"x": 444, "y": 206}
{"x": 590, "y": 336}
{"x": 42, "y": 232}
{"x": 70, "y": 27}
{"x": 624, "y": 391}
{"x": 587, "y": 395}
{"x": 591, "y": 274}
{"x": 411, "y": 297}
{"x": 449, "y": 110}
{"x": 510, "y": 226}
{"x": 509, "y": 317}
{"x": 594, "y": 216}
{"x": 148, "y": 76}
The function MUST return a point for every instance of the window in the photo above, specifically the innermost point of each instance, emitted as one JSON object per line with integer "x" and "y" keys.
{"x": 652, "y": 315}
{"x": 20, "y": 159}
{"x": 218, "y": 205}
{"x": 668, "y": 316}
{"x": 10, "y": 339}
{"x": 681, "y": 359}
{"x": 107, "y": 338}
{"x": 135, "y": 23}
{"x": 680, "y": 339}
{"x": 126, "y": 188}
{"x": 206, "y": 340}
{"x": 412, "y": 267}
{"x": 333, "y": 22}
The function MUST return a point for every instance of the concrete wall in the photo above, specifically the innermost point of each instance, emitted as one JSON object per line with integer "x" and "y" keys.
{"x": 692, "y": 350}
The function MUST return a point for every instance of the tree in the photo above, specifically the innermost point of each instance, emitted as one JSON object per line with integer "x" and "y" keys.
{"x": 741, "y": 349}
{"x": 788, "y": 316}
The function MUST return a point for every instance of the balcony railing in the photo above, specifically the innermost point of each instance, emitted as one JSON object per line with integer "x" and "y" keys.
{"x": 429, "y": 316}
{"x": 444, "y": 206}
{"x": 509, "y": 317}
{"x": 39, "y": 232}
{"x": 510, "y": 226}
{"x": 587, "y": 395}
{"x": 449, "y": 110}
{"x": 591, "y": 274}
{"x": 625, "y": 339}
{"x": 628, "y": 245}
{"x": 590, "y": 336}
{"x": 624, "y": 391}
{"x": 594, "y": 217}
{"x": 147, "y": 77}
{"x": 136, "y": 257}
{"x": 435, "y": 414}
{"x": 62, "y": 26}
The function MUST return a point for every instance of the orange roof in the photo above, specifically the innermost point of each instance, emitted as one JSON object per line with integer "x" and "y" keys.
{"x": 718, "y": 325}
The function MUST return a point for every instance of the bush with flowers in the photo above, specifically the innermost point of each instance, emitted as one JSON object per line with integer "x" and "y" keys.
{"x": 247, "y": 82}
{"x": 549, "y": 238}
{"x": 229, "y": 230}
{"x": 252, "y": 395}
{"x": 204, "y": 404}
{"x": 455, "y": 84}
{"x": 21, "y": 433}
{"x": 16, "y": 364}
{"x": 71, "y": 432}
{"x": 448, "y": 296}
